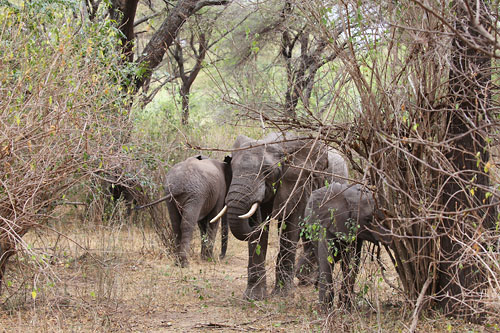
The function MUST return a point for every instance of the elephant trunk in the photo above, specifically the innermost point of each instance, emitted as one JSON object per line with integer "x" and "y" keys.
{"x": 239, "y": 203}
{"x": 240, "y": 228}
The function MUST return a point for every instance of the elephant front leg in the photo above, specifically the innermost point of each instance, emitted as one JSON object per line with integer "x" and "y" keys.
{"x": 224, "y": 237}
{"x": 286, "y": 258}
{"x": 257, "y": 248}
{"x": 325, "y": 281}
{"x": 307, "y": 265}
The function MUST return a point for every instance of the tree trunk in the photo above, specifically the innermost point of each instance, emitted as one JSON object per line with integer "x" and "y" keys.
{"x": 187, "y": 80}
{"x": 127, "y": 28}
{"x": 184, "y": 91}
{"x": 164, "y": 37}
{"x": 460, "y": 283}
{"x": 5, "y": 253}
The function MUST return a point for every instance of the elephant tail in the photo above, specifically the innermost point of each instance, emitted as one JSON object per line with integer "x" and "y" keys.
{"x": 167, "y": 197}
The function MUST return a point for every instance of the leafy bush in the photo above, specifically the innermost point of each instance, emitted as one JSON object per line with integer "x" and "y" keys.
{"x": 62, "y": 109}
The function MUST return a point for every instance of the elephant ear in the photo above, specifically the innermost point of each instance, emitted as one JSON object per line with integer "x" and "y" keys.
{"x": 360, "y": 202}
{"x": 336, "y": 210}
{"x": 337, "y": 166}
{"x": 305, "y": 154}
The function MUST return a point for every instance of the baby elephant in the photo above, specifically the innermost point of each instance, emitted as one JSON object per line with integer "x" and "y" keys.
{"x": 337, "y": 220}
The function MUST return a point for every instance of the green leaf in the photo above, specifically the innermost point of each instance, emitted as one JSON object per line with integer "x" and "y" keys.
{"x": 330, "y": 259}
{"x": 33, "y": 294}
{"x": 257, "y": 250}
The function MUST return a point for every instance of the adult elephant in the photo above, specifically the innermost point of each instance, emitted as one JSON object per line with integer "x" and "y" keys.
{"x": 195, "y": 192}
{"x": 271, "y": 178}
{"x": 339, "y": 218}
{"x": 337, "y": 168}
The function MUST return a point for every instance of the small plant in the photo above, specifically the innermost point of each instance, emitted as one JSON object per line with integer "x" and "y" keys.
{"x": 312, "y": 231}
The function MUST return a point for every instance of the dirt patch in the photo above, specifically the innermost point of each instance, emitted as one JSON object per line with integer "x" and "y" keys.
{"x": 119, "y": 279}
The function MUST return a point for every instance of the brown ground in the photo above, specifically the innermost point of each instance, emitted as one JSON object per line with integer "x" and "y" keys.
{"x": 119, "y": 279}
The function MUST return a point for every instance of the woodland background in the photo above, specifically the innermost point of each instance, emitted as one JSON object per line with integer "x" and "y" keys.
{"x": 101, "y": 97}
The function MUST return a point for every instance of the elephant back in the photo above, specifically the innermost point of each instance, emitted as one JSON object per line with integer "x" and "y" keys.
{"x": 194, "y": 176}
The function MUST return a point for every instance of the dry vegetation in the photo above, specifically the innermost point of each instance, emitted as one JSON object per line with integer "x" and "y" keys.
{"x": 118, "y": 277}
{"x": 88, "y": 266}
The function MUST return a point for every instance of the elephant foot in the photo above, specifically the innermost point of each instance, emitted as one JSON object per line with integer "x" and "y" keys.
{"x": 181, "y": 262}
{"x": 207, "y": 257}
{"x": 326, "y": 300}
{"x": 255, "y": 293}
{"x": 307, "y": 276}
{"x": 222, "y": 256}
{"x": 207, "y": 253}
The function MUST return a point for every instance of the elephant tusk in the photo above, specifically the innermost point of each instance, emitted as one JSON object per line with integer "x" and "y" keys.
{"x": 252, "y": 211}
{"x": 218, "y": 216}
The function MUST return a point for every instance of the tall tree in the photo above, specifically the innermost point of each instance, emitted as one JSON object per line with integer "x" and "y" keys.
{"x": 468, "y": 110}
{"x": 188, "y": 77}
{"x": 164, "y": 37}
{"x": 152, "y": 54}
{"x": 311, "y": 53}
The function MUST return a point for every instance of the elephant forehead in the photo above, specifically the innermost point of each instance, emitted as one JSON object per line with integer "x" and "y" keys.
{"x": 253, "y": 160}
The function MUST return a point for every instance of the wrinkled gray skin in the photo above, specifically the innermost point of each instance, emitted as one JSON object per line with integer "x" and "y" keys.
{"x": 198, "y": 188}
{"x": 307, "y": 267}
{"x": 345, "y": 213}
{"x": 337, "y": 166}
{"x": 263, "y": 174}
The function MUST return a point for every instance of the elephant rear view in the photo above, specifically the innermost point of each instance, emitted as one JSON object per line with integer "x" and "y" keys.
{"x": 196, "y": 189}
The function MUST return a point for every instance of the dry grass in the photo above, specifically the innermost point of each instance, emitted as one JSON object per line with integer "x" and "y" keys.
{"x": 119, "y": 278}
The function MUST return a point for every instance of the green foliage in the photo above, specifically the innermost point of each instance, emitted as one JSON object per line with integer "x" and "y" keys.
{"x": 352, "y": 231}
{"x": 313, "y": 231}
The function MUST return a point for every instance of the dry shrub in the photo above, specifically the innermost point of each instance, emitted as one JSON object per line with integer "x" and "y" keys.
{"x": 412, "y": 101}
{"x": 62, "y": 111}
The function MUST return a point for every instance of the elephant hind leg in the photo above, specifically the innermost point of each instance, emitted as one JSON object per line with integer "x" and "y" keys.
{"x": 307, "y": 265}
{"x": 189, "y": 217}
{"x": 207, "y": 232}
{"x": 350, "y": 267}
{"x": 175, "y": 222}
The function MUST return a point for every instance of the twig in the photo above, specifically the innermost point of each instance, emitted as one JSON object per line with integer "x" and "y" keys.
{"x": 418, "y": 304}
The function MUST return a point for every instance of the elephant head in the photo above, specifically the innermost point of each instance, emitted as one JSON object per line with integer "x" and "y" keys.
{"x": 264, "y": 174}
